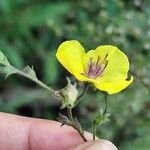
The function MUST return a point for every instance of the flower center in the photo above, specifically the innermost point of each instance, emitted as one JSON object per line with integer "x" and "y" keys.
{"x": 95, "y": 69}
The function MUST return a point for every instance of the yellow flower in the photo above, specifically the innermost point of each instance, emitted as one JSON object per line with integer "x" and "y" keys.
{"x": 106, "y": 67}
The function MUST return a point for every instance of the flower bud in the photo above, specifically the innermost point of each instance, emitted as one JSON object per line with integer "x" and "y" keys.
{"x": 70, "y": 94}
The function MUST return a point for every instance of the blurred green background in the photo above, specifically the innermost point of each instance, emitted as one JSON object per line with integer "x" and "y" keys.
{"x": 30, "y": 32}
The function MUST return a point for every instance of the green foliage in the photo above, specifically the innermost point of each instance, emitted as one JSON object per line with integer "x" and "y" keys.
{"x": 3, "y": 59}
{"x": 30, "y": 32}
{"x": 5, "y": 68}
{"x": 51, "y": 70}
{"x": 101, "y": 118}
{"x": 37, "y": 14}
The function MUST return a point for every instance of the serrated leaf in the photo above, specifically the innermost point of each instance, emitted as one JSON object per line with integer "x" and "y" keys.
{"x": 6, "y": 68}
{"x": 101, "y": 118}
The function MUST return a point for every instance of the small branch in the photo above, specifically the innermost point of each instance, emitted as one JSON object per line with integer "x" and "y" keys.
{"x": 94, "y": 132}
{"x": 81, "y": 133}
{"x": 69, "y": 109}
{"x": 101, "y": 118}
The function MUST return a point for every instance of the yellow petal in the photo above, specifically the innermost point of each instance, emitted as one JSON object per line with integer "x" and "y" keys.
{"x": 118, "y": 64}
{"x": 113, "y": 87}
{"x": 113, "y": 79}
{"x": 70, "y": 55}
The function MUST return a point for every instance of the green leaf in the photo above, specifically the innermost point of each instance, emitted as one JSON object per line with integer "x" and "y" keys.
{"x": 3, "y": 59}
{"x": 101, "y": 118}
{"x": 5, "y": 67}
{"x": 139, "y": 142}
{"x": 9, "y": 70}
{"x": 6, "y": 6}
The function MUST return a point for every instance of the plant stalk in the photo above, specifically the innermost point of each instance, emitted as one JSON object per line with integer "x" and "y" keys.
{"x": 40, "y": 83}
{"x": 81, "y": 132}
{"x": 94, "y": 132}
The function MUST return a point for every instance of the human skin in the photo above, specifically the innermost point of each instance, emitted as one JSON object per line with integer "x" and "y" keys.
{"x": 23, "y": 133}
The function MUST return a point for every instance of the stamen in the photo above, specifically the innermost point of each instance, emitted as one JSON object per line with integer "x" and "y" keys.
{"x": 105, "y": 57}
{"x": 105, "y": 64}
{"x": 99, "y": 68}
{"x": 96, "y": 68}
{"x": 98, "y": 59}
{"x": 90, "y": 65}
{"x": 83, "y": 74}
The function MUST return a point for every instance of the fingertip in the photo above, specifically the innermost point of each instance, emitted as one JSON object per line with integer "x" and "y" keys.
{"x": 96, "y": 145}
{"x": 107, "y": 144}
{"x": 89, "y": 136}
{"x": 46, "y": 135}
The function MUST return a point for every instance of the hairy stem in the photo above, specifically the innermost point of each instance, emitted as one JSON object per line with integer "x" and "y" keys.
{"x": 37, "y": 81}
{"x": 80, "y": 131}
{"x": 94, "y": 132}
{"x": 69, "y": 109}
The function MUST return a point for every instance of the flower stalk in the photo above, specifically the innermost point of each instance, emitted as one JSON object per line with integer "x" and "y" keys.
{"x": 94, "y": 132}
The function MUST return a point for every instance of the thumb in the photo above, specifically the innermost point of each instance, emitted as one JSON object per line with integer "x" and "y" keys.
{"x": 96, "y": 145}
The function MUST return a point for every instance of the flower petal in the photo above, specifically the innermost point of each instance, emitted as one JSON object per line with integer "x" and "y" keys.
{"x": 113, "y": 87}
{"x": 70, "y": 55}
{"x": 114, "y": 77}
{"x": 118, "y": 64}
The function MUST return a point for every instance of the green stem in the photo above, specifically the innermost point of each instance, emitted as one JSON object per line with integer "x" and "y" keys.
{"x": 106, "y": 102}
{"x": 94, "y": 132}
{"x": 40, "y": 83}
{"x": 81, "y": 133}
{"x": 69, "y": 109}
